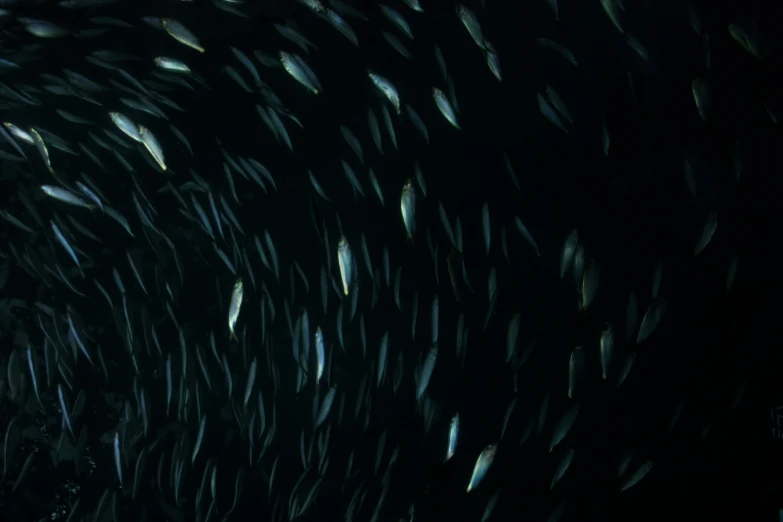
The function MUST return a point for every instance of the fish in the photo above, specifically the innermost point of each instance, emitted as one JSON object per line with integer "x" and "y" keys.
{"x": 482, "y": 465}
{"x": 235, "y": 307}
{"x": 408, "y": 208}
{"x": 444, "y": 106}
{"x": 346, "y": 262}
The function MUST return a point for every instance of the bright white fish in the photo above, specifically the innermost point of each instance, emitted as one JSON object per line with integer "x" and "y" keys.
{"x": 301, "y": 72}
{"x": 152, "y": 145}
{"x": 171, "y": 64}
{"x": 483, "y": 463}
{"x": 65, "y": 196}
{"x": 319, "y": 351}
{"x": 445, "y": 107}
{"x": 408, "y": 208}
{"x": 117, "y": 460}
{"x": 345, "y": 259}
{"x": 386, "y": 88}
{"x": 453, "y": 436}
{"x": 234, "y": 308}
{"x": 126, "y": 126}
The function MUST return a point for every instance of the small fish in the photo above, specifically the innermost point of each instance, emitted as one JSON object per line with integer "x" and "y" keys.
{"x": 235, "y": 307}
{"x": 386, "y": 88}
{"x": 66, "y": 196}
{"x": 445, "y": 107}
{"x": 453, "y": 436}
{"x": 181, "y": 33}
{"x": 172, "y": 64}
{"x": 471, "y": 23}
{"x": 345, "y": 258}
{"x": 125, "y": 124}
{"x": 152, "y": 145}
{"x": 300, "y": 71}
{"x": 117, "y": 460}
{"x": 408, "y": 208}
{"x": 483, "y": 463}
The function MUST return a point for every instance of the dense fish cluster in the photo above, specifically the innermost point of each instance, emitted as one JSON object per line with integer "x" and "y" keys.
{"x": 213, "y": 307}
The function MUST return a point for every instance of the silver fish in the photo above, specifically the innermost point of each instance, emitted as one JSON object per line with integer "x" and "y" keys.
{"x": 65, "y": 196}
{"x": 483, "y": 463}
{"x": 152, "y": 145}
{"x": 386, "y": 88}
{"x": 408, "y": 208}
{"x": 235, "y": 307}
{"x": 301, "y": 72}
{"x": 345, "y": 258}
{"x": 445, "y": 107}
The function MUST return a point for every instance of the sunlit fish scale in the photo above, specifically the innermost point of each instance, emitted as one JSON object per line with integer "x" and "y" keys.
{"x": 483, "y": 463}
{"x": 471, "y": 23}
{"x": 235, "y": 307}
{"x": 453, "y": 436}
{"x": 152, "y": 145}
{"x": 408, "y": 208}
{"x": 125, "y": 124}
{"x": 397, "y": 19}
{"x": 171, "y": 64}
{"x": 65, "y": 196}
{"x": 345, "y": 259}
{"x": 386, "y": 88}
{"x": 444, "y": 106}
{"x": 299, "y": 70}
{"x": 181, "y": 33}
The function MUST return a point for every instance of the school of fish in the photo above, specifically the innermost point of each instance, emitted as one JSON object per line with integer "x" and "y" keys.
{"x": 116, "y": 207}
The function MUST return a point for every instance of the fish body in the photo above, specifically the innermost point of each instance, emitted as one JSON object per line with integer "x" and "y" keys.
{"x": 345, "y": 259}
{"x": 445, "y": 106}
{"x": 235, "y": 307}
{"x": 408, "y": 208}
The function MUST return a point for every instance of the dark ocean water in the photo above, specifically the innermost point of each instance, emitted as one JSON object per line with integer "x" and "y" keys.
{"x": 632, "y": 210}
